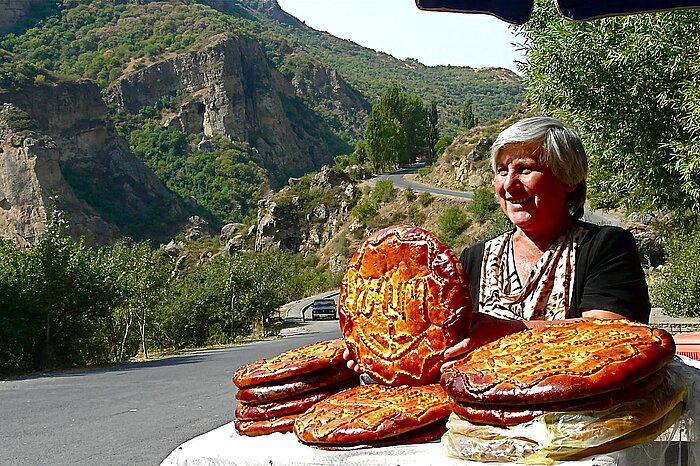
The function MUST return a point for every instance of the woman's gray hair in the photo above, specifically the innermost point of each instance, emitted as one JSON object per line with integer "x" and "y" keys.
{"x": 562, "y": 152}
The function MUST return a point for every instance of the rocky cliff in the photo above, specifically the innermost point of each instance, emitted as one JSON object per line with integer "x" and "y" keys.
{"x": 13, "y": 11}
{"x": 306, "y": 224}
{"x": 231, "y": 88}
{"x": 59, "y": 141}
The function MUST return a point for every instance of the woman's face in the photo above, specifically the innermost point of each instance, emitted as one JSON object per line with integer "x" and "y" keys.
{"x": 529, "y": 193}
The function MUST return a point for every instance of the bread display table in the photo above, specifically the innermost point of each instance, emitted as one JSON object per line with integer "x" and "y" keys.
{"x": 224, "y": 447}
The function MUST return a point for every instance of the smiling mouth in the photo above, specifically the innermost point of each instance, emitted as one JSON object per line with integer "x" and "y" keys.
{"x": 521, "y": 200}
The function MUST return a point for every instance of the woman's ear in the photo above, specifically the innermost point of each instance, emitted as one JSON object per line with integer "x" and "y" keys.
{"x": 571, "y": 187}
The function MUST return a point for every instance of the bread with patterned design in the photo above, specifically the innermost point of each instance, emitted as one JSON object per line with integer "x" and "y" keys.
{"x": 403, "y": 300}
{"x": 559, "y": 362}
{"x": 369, "y": 413}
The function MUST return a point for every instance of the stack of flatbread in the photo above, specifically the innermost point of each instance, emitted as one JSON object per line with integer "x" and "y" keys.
{"x": 562, "y": 392}
{"x": 403, "y": 300}
{"x": 273, "y": 392}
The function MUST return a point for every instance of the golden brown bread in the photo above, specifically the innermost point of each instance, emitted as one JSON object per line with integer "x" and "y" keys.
{"x": 290, "y": 363}
{"x": 511, "y": 415}
{"x": 293, "y": 386}
{"x": 267, "y": 426}
{"x": 424, "y": 434}
{"x": 298, "y": 404}
{"x": 371, "y": 412}
{"x": 558, "y": 363}
{"x": 403, "y": 300}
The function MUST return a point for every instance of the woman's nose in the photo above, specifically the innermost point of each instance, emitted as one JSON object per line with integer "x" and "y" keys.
{"x": 510, "y": 179}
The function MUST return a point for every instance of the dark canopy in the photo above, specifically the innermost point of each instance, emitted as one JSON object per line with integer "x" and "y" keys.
{"x": 518, "y": 11}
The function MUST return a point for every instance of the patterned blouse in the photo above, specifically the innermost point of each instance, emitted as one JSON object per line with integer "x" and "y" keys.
{"x": 546, "y": 293}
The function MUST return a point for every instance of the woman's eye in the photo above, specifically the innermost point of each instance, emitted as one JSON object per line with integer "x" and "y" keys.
{"x": 502, "y": 171}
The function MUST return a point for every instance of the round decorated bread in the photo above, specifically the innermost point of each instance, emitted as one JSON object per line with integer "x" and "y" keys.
{"x": 424, "y": 434}
{"x": 559, "y": 362}
{"x": 368, "y": 413}
{"x": 294, "y": 386}
{"x": 403, "y": 300}
{"x": 512, "y": 415}
{"x": 290, "y": 363}
{"x": 297, "y": 404}
{"x": 267, "y": 426}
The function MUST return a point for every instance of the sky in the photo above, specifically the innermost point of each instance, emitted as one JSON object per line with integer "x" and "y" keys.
{"x": 399, "y": 28}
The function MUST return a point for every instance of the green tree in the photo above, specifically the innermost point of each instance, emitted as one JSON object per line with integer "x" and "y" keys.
{"x": 141, "y": 277}
{"x": 469, "y": 119}
{"x": 433, "y": 131}
{"x": 443, "y": 144}
{"x": 68, "y": 290}
{"x": 400, "y": 128}
{"x": 20, "y": 324}
{"x": 386, "y": 139}
{"x": 678, "y": 290}
{"x": 629, "y": 86}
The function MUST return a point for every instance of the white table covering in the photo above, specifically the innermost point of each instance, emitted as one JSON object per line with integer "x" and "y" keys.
{"x": 224, "y": 447}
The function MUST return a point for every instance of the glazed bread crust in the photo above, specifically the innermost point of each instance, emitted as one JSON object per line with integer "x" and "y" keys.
{"x": 298, "y": 361}
{"x": 267, "y": 426}
{"x": 293, "y": 386}
{"x": 512, "y": 415}
{"x": 403, "y": 300}
{"x": 424, "y": 434}
{"x": 368, "y": 413}
{"x": 559, "y": 363}
{"x": 298, "y": 404}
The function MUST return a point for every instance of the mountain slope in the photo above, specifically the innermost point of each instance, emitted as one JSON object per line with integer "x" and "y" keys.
{"x": 493, "y": 91}
{"x": 221, "y": 98}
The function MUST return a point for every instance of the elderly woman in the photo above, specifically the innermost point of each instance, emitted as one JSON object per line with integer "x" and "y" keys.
{"x": 551, "y": 266}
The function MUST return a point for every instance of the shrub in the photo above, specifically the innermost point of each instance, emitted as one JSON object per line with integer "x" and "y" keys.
{"x": 409, "y": 194}
{"x": 416, "y": 215}
{"x": 425, "y": 199}
{"x": 451, "y": 224}
{"x": 442, "y": 144}
{"x": 425, "y": 171}
{"x": 498, "y": 224}
{"x": 364, "y": 210}
{"x": 484, "y": 204}
{"x": 383, "y": 192}
{"x": 678, "y": 291}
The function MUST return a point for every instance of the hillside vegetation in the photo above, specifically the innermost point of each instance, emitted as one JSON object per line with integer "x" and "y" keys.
{"x": 105, "y": 40}
{"x": 493, "y": 91}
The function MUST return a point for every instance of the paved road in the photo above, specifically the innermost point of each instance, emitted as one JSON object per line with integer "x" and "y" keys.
{"x": 397, "y": 178}
{"x": 132, "y": 414}
{"x": 301, "y": 310}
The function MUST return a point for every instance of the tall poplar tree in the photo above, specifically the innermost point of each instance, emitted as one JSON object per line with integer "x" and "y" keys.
{"x": 469, "y": 120}
{"x": 399, "y": 129}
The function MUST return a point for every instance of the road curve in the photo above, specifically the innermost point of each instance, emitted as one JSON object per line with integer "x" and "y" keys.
{"x": 397, "y": 178}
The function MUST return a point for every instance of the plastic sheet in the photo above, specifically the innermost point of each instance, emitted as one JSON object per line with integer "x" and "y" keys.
{"x": 558, "y": 436}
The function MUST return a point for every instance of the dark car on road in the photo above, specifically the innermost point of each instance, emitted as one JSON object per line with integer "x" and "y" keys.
{"x": 324, "y": 309}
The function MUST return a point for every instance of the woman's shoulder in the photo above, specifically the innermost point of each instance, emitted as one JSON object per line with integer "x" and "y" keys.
{"x": 602, "y": 232}
{"x": 606, "y": 239}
